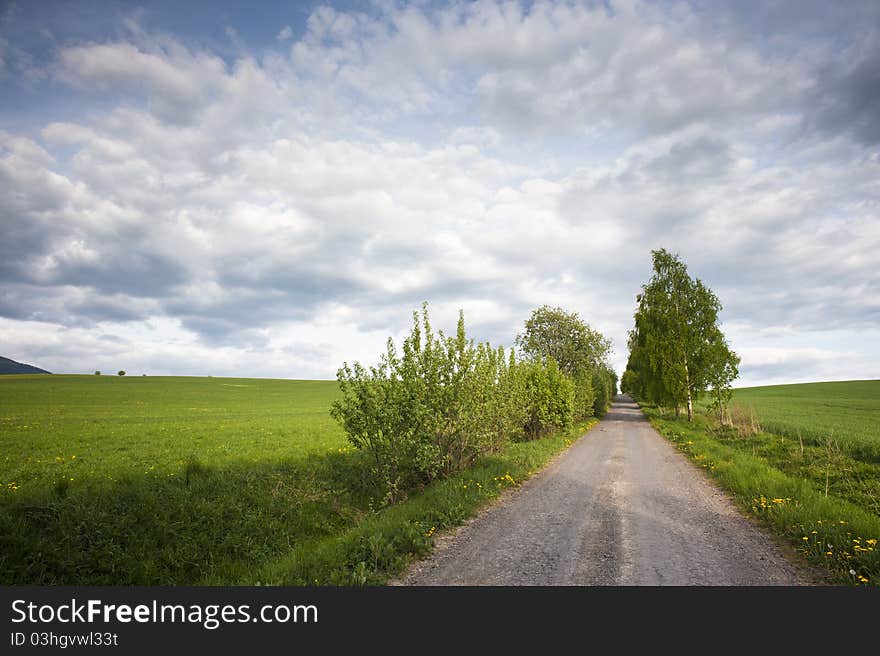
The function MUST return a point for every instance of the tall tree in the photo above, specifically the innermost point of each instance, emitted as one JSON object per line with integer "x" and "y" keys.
{"x": 565, "y": 337}
{"x": 677, "y": 350}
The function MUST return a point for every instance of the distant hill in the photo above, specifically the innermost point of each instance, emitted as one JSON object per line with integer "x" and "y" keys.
{"x": 8, "y": 366}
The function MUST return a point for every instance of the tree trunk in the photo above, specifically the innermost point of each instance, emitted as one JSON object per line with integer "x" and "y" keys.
{"x": 687, "y": 382}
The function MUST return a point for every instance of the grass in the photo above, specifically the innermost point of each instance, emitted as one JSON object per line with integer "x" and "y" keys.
{"x": 847, "y": 411}
{"x": 385, "y": 542}
{"x": 819, "y": 494}
{"x": 170, "y": 481}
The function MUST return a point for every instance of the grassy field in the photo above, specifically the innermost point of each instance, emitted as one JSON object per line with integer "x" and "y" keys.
{"x": 152, "y": 480}
{"x": 848, "y": 412}
{"x": 807, "y": 466}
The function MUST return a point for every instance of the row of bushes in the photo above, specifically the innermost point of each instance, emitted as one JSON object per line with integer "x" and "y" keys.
{"x": 433, "y": 408}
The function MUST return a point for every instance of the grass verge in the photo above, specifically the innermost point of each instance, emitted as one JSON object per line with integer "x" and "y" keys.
{"x": 831, "y": 532}
{"x": 387, "y": 541}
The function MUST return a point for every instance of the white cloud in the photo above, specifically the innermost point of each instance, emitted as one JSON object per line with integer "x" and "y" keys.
{"x": 285, "y": 33}
{"x": 275, "y": 215}
{"x": 176, "y": 81}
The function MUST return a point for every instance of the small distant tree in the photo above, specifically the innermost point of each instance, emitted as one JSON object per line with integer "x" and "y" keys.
{"x": 97, "y": 373}
{"x": 723, "y": 368}
{"x": 121, "y": 373}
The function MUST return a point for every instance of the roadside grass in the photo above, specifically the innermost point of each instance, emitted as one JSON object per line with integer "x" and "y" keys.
{"x": 134, "y": 480}
{"x": 835, "y": 532}
{"x": 847, "y": 411}
{"x": 384, "y": 544}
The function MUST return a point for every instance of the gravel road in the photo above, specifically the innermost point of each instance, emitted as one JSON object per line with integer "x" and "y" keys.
{"x": 620, "y": 507}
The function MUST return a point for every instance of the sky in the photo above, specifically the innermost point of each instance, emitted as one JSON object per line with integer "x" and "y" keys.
{"x": 271, "y": 189}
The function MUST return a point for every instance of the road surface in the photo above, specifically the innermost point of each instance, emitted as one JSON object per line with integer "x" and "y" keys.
{"x": 620, "y": 507}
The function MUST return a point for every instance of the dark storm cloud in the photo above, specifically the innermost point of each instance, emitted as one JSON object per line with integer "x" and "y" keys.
{"x": 20, "y": 241}
{"x": 700, "y": 159}
{"x": 789, "y": 23}
{"x": 102, "y": 308}
{"x": 847, "y": 97}
{"x": 71, "y": 306}
{"x": 123, "y": 272}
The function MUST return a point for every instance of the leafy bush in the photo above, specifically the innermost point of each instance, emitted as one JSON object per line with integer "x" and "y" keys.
{"x": 548, "y": 397}
{"x": 604, "y": 384}
{"x": 434, "y": 408}
{"x": 584, "y": 396}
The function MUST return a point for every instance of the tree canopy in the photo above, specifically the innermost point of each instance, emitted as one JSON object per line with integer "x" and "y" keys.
{"x": 552, "y": 334}
{"x": 676, "y": 349}
{"x": 565, "y": 337}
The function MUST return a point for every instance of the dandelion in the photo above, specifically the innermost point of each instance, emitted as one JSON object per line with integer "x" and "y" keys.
{"x": 852, "y": 572}
{"x": 805, "y": 538}
{"x": 863, "y": 579}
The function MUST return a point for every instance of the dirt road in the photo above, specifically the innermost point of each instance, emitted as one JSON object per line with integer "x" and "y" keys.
{"x": 620, "y": 507}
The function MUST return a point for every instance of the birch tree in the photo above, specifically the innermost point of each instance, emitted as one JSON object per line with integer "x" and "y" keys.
{"x": 677, "y": 350}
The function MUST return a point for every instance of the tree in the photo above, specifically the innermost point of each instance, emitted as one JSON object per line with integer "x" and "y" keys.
{"x": 629, "y": 382}
{"x": 97, "y": 373}
{"x": 121, "y": 373}
{"x": 581, "y": 353}
{"x": 563, "y": 336}
{"x": 723, "y": 366}
{"x": 677, "y": 350}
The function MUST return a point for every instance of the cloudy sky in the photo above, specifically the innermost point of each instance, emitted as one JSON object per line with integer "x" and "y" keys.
{"x": 209, "y": 188}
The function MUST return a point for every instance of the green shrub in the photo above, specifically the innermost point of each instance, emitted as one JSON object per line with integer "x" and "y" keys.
{"x": 584, "y": 397}
{"x": 605, "y": 385}
{"x": 548, "y": 397}
{"x": 434, "y": 408}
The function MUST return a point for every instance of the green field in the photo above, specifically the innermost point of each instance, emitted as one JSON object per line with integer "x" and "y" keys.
{"x": 94, "y": 427}
{"x": 848, "y": 412}
{"x": 811, "y": 470}
{"x": 154, "y": 480}
{"x": 112, "y": 479}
